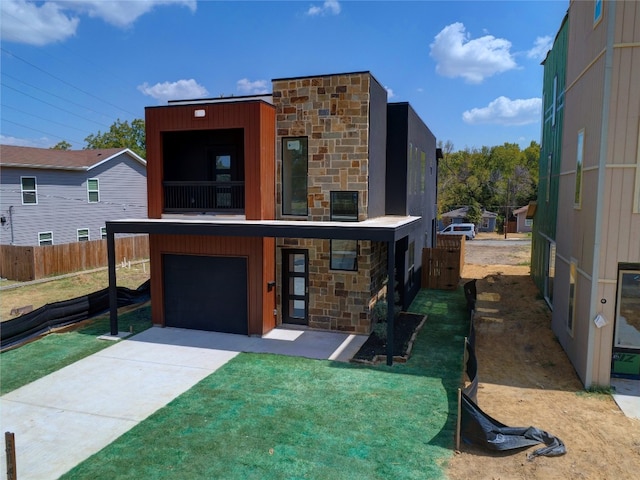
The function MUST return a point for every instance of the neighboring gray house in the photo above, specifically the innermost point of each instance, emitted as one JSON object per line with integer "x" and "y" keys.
{"x": 459, "y": 215}
{"x": 61, "y": 196}
{"x": 524, "y": 224}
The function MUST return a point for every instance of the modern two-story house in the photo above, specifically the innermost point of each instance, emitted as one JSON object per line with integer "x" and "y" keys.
{"x": 586, "y": 254}
{"x": 296, "y": 207}
{"x": 50, "y": 196}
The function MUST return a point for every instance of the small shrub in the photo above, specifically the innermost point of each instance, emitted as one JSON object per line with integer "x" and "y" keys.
{"x": 380, "y": 329}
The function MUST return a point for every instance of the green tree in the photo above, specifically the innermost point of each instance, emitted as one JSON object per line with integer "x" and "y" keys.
{"x": 63, "y": 145}
{"x": 120, "y": 134}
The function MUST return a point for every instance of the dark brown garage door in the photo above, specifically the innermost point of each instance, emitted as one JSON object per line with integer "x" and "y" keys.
{"x": 206, "y": 293}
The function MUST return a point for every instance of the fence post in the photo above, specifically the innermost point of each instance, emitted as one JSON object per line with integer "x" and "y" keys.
{"x": 10, "y": 448}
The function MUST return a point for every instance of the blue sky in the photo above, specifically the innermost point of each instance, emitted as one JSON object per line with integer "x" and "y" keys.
{"x": 470, "y": 69}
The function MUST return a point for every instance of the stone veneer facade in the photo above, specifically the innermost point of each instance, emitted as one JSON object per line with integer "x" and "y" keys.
{"x": 333, "y": 112}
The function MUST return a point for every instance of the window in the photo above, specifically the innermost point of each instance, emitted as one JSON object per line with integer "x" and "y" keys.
{"x": 597, "y": 11}
{"x": 83, "y": 234}
{"x": 528, "y": 222}
{"x": 577, "y": 201}
{"x": 93, "y": 190}
{"x": 103, "y": 233}
{"x": 344, "y": 255}
{"x": 423, "y": 170}
{"x": 572, "y": 296}
{"x": 294, "y": 176}
{"x": 45, "y": 238}
{"x": 344, "y": 206}
{"x": 29, "y": 190}
{"x": 627, "y": 334}
{"x": 551, "y": 272}
{"x": 411, "y": 264}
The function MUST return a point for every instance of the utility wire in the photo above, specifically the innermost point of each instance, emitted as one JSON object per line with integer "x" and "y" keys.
{"x": 41, "y": 118}
{"x": 39, "y": 131}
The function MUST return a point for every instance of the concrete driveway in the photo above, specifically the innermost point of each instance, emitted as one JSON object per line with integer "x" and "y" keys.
{"x": 67, "y": 416}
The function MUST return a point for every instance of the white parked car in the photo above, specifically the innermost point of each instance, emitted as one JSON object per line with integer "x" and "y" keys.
{"x": 466, "y": 229}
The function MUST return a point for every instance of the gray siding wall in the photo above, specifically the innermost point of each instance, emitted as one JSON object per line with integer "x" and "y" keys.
{"x": 63, "y": 205}
{"x": 377, "y": 149}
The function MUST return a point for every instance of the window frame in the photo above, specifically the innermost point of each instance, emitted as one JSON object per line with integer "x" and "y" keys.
{"x": 573, "y": 289}
{"x": 41, "y": 240}
{"x": 577, "y": 197}
{"x": 332, "y": 255}
{"x": 103, "y": 233}
{"x": 597, "y": 12}
{"x": 287, "y": 186}
{"x": 90, "y": 191}
{"x": 81, "y": 238}
{"x": 33, "y": 191}
{"x": 332, "y": 202}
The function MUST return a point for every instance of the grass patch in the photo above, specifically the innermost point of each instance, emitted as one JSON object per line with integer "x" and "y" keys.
{"x": 269, "y": 416}
{"x": 57, "y": 350}
{"x": 596, "y": 391}
{"x": 68, "y": 287}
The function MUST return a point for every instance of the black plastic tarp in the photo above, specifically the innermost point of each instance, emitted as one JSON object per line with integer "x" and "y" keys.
{"x": 67, "y": 312}
{"x": 478, "y": 428}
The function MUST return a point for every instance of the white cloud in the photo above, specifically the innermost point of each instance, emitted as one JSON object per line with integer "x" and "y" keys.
{"x": 504, "y": 111}
{"x": 456, "y": 55}
{"x": 53, "y": 21}
{"x": 182, "y": 89}
{"x": 42, "y": 142}
{"x": 248, "y": 87}
{"x": 29, "y": 23}
{"x": 540, "y": 48}
{"x": 331, "y": 7}
{"x": 390, "y": 93}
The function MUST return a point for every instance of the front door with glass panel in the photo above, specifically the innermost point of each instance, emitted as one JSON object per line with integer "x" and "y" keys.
{"x": 222, "y": 166}
{"x": 295, "y": 290}
{"x": 626, "y": 343}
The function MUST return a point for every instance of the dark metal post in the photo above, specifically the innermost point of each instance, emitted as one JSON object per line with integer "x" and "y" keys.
{"x": 391, "y": 260}
{"x": 10, "y": 449}
{"x": 113, "y": 290}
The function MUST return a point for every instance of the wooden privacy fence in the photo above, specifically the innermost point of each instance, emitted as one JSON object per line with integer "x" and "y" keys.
{"x": 32, "y": 263}
{"x": 442, "y": 266}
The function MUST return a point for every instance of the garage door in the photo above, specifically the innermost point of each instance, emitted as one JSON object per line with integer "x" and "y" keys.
{"x": 206, "y": 293}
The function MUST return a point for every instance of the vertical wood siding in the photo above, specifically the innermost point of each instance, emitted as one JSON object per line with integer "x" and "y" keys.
{"x": 257, "y": 118}
{"x": 260, "y": 255}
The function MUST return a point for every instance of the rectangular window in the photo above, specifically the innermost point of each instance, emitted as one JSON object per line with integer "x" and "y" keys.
{"x": 555, "y": 100}
{"x": 83, "y": 234}
{"x": 573, "y": 270}
{"x": 103, "y": 233}
{"x": 577, "y": 199}
{"x": 551, "y": 272}
{"x": 294, "y": 176}
{"x": 29, "y": 190}
{"x": 528, "y": 222}
{"x": 344, "y": 206}
{"x": 411, "y": 264}
{"x": 45, "y": 238}
{"x": 93, "y": 190}
{"x": 597, "y": 11}
{"x": 344, "y": 255}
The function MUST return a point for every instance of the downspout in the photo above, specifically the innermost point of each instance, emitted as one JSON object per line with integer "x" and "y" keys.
{"x": 391, "y": 261}
{"x": 602, "y": 164}
{"x": 11, "y": 222}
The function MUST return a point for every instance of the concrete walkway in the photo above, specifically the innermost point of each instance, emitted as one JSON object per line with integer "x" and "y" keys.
{"x": 67, "y": 416}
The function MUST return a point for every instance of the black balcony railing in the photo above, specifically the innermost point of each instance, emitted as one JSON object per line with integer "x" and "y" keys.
{"x": 203, "y": 196}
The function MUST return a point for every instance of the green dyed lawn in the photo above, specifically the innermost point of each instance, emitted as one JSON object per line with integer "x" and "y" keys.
{"x": 50, "y": 353}
{"x": 274, "y": 417}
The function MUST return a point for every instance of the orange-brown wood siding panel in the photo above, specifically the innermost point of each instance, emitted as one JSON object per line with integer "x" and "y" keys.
{"x": 260, "y": 254}
{"x": 256, "y": 118}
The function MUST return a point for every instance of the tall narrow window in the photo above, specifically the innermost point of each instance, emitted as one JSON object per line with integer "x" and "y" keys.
{"x": 577, "y": 201}
{"x": 597, "y": 11}
{"x": 344, "y": 255}
{"x": 551, "y": 272}
{"x": 83, "y": 234}
{"x": 294, "y": 176}
{"x": 45, "y": 238}
{"x": 344, "y": 206}
{"x": 573, "y": 268}
{"x": 93, "y": 190}
{"x": 29, "y": 190}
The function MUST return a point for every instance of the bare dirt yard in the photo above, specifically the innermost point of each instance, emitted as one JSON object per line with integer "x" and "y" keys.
{"x": 527, "y": 380}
